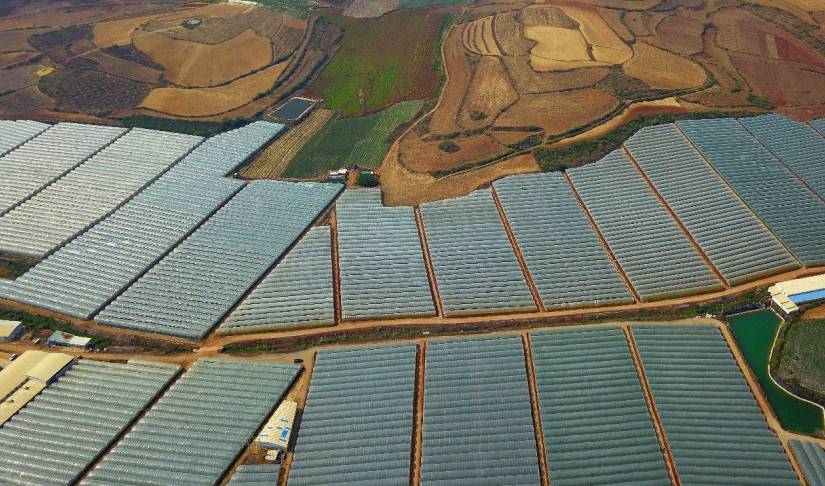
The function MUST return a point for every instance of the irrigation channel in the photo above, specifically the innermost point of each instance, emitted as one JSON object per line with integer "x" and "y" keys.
{"x": 756, "y": 332}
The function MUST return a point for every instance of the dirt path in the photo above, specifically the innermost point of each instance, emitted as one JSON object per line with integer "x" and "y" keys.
{"x": 336, "y": 268}
{"x": 428, "y": 263}
{"x": 651, "y": 406}
{"x": 418, "y": 416}
{"x": 677, "y": 220}
{"x": 523, "y": 264}
{"x": 536, "y": 410}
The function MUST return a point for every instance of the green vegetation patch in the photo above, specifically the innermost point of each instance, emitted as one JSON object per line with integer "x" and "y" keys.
{"x": 37, "y": 323}
{"x": 362, "y": 140}
{"x": 382, "y": 61}
{"x": 202, "y": 128}
{"x": 802, "y": 360}
{"x": 298, "y": 9}
{"x": 411, "y": 4}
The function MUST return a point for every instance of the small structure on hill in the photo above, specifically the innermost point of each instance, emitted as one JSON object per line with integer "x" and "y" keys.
{"x": 60, "y": 338}
{"x": 10, "y": 330}
{"x": 278, "y": 429}
{"x": 789, "y": 294}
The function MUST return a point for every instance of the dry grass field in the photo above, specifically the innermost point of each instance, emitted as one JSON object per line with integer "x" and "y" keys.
{"x": 663, "y": 70}
{"x": 478, "y": 37}
{"x": 557, "y": 113}
{"x": 490, "y": 93}
{"x": 272, "y": 162}
{"x": 212, "y": 101}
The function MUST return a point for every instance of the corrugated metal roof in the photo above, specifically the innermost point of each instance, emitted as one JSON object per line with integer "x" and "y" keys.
{"x": 7, "y": 328}
{"x": 14, "y": 375}
{"x": 48, "y": 367}
{"x": 278, "y": 429}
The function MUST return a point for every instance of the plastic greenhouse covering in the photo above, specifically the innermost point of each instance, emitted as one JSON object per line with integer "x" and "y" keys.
{"x": 358, "y": 419}
{"x": 91, "y": 270}
{"x": 15, "y": 133}
{"x": 198, "y": 282}
{"x": 478, "y": 423}
{"x": 382, "y": 263}
{"x": 819, "y": 126}
{"x": 91, "y": 191}
{"x": 194, "y": 433}
{"x": 655, "y": 254}
{"x": 735, "y": 241}
{"x": 811, "y": 459}
{"x": 475, "y": 266}
{"x": 42, "y": 160}
{"x": 564, "y": 256}
{"x": 712, "y": 423}
{"x": 298, "y": 292}
{"x": 788, "y": 208}
{"x": 597, "y": 429}
{"x": 256, "y": 475}
{"x": 796, "y": 144}
{"x": 62, "y": 431}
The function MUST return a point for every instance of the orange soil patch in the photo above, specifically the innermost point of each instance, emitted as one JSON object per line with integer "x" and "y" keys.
{"x": 783, "y": 83}
{"x": 272, "y": 162}
{"x": 815, "y": 313}
{"x": 11, "y": 58}
{"x": 508, "y": 33}
{"x": 667, "y": 105}
{"x": 119, "y": 67}
{"x": 421, "y": 156}
{"x": 18, "y": 40}
{"x": 663, "y": 70}
{"x": 212, "y": 101}
{"x": 558, "y": 113}
{"x": 478, "y": 37}
{"x": 507, "y": 137}
{"x": 681, "y": 34}
{"x": 606, "y": 45}
{"x": 460, "y": 73}
{"x": 490, "y": 92}
{"x": 799, "y": 8}
{"x": 803, "y": 113}
{"x": 192, "y": 64}
{"x": 404, "y": 188}
{"x": 118, "y": 32}
{"x": 718, "y": 97}
{"x": 528, "y": 81}
{"x": 613, "y": 18}
{"x": 636, "y": 22}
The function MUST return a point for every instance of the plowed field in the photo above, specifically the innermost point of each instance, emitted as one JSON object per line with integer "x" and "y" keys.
{"x": 663, "y": 70}
{"x": 558, "y": 112}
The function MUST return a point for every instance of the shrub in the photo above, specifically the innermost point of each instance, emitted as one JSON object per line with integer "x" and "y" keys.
{"x": 366, "y": 179}
{"x": 449, "y": 147}
{"x": 478, "y": 115}
{"x": 759, "y": 101}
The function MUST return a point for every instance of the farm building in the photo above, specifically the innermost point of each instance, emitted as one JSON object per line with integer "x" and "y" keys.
{"x": 10, "y": 330}
{"x": 790, "y": 293}
{"x": 278, "y": 429}
{"x": 27, "y": 376}
{"x": 60, "y": 338}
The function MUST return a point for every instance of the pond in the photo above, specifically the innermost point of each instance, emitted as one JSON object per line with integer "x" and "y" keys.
{"x": 755, "y": 332}
{"x": 292, "y": 109}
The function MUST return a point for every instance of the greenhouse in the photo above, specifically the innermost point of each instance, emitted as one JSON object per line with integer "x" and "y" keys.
{"x": 27, "y": 170}
{"x": 188, "y": 292}
{"x": 811, "y": 459}
{"x": 14, "y": 133}
{"x": 713, "y": 425}
{"x": 788, "y": 208}
{"x": 795, "y": 143}
{"x": 256, "y": 475}
{"x": 565, "y": 258}
{"x": 358, "y": 420}
{"x": 475, "y": 266}
{"x": 478, "y": 422}
{"x": 735, "y": 241}
{"x": 91, "y": 191}
{"x": 194, "y": 433}
{"x": 297, "y": 293}
{"x": 381, "y": 260}
{"x": 651, "y": 248}
{"x": 593, "y": 411}
{"x": 59, "y": 434}
{"x": 819, "y": 126}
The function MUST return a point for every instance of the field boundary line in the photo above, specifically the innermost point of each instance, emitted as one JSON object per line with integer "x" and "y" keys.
{"x": 428, "y": 262}
{"x": 670, "y": 463}
{"x": 336, "y": 268}
{"x": 418, "y": 415}
{"x": 522, "y": 263}
{"x": 544, "y": 467}
{"x": 603, "y": 240}
{"x": 742, "y": 199}
{"x": 677, "y": 220}
{"x": 782, "y": 163}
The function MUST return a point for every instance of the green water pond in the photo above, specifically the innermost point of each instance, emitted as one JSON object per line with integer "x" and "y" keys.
{"x": 755, "y": 333}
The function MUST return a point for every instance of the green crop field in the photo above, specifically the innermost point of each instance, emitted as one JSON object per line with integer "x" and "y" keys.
{"x": 344, "y": 141}
{"x": 411, "y": 4}
{"x": 802, "y": 360}
{"x": 387, "y": 59}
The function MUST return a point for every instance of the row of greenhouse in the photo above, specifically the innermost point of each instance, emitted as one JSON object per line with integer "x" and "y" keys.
{"x": 174, "y": 246}
{"x": 478, "y": 424}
